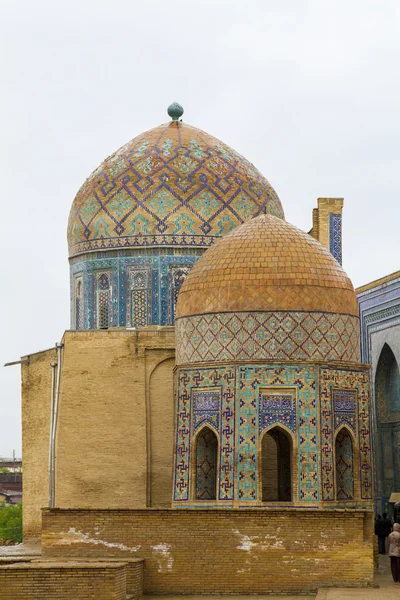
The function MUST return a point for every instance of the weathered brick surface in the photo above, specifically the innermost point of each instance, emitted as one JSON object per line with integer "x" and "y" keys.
{"x": 63, "y": 581}
{"x": 36, "y": 394}
{"x": 231, "y": 551}
{"x": 133, "y": 419}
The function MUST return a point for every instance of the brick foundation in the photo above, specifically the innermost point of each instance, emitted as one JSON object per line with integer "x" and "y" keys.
{"x": 63, "y": 581}
{"x": 222, "y": 551}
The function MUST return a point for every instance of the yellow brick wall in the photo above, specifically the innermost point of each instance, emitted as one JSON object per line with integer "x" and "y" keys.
{"x": 231, "y": 551}
{"x": 64, "y": 581}
{"x": 36, "y": 402}
{"x": 114, "y": 442}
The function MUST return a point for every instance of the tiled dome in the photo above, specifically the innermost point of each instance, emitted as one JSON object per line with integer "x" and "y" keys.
{"x": 171, "y": 186}
{"x": 267, "y": 264}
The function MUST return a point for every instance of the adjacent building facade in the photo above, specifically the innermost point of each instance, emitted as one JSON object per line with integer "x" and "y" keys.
{"x": 379, "y": 304}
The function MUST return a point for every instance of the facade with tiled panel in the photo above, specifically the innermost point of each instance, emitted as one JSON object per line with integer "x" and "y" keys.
{"x": 379, "y": 303}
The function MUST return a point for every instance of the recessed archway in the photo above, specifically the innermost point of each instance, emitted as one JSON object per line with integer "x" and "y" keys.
{"x": 206, "y": 454}
{"x": 344, "y": 463}
{"x": 276, "y": 466}
{"x": 387, "y": 384}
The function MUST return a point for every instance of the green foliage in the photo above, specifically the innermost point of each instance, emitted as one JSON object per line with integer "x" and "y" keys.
{"x": 11, "y": 522}
{"x": 5, "y": 470}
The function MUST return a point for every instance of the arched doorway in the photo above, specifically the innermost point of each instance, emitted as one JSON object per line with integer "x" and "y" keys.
{"x": 276, "y": 471}
{"x": 344, "y": 462}
{"x": 206, "y": 464}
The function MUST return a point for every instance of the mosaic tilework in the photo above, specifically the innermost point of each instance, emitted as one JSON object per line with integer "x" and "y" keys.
{"x": 222, "y": 378}
{"x": 155, "y": 297}
{"x": 358, "y": 381}
{"x": 103, "y": 296}
{"x": 276, "y": 408}
{"x": 206, "y": 465}
{"x": 344, "y": 408}
{"x": 206, "y": 408}
{"x": 344, "y": 466}
{"x": 268, "y": 335}
{"x": 267, "y": 264}
{"x": 335, "y": 236}
{"x": 304, "y": 379}
{"x": 172, "y": 185}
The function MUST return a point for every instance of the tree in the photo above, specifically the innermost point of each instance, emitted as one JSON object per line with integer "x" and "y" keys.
{"x": 11, "y": 522}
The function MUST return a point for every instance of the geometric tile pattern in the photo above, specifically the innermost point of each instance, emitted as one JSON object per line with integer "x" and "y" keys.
{"x": 344, "y": 466}
{"x": 206, "y": 408}
{"x": 161, "y": 270}
{"x": 276, "y": 408}
{"x": 268, "y": 336}
{"x": 271, "y": 394}
{"x": 344, "y": 406}
{"x": 335, "y": 236}
{"x": 171, "y": 186}
{"x": 266, "y": 264}
{"x": 191, "y": 387}
{"x": 252, "y": 379}
{"x": 332, "y": 380}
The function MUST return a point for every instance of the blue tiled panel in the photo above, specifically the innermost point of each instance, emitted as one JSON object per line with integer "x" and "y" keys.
{"x": 161, "y": 296}
{"x": 335, "y": 236}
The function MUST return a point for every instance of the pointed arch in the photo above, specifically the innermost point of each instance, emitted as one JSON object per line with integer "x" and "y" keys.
{"x": 206, "y": 451}
{"x": 387, "y": 384}
{"x": 344, "y": 464}
{"x": 276, "y": 465}
{"x": 103, "y": 300}
{"x": 78, "y": 303}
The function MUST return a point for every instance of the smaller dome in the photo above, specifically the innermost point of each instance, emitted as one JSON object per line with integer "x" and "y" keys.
{"x": 266, "y": 264}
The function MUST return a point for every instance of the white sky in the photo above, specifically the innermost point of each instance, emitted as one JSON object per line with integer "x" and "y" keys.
{"x": 309, "y": 91}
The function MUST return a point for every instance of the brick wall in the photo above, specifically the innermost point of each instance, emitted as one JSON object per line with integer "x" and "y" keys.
{"x": 36, "y": 395}
{"x": 230, "y": 551}
{"x": 122, "y": 452}
{"x": 62, "y": 581}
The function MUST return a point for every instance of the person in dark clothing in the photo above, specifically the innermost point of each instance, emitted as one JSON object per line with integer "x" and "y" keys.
{"x": 383, "y": 528}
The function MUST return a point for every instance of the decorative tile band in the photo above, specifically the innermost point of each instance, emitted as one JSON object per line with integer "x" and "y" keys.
{"x": 268, "y": 336}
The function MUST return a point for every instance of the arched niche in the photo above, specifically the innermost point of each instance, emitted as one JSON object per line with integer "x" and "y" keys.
{"x": 206, "y": 464}
{"x": 276, "y": 466}
{"x": 387, "y": 384}
{"x": 161, "y": 432}
{"x": 344, "y": 465}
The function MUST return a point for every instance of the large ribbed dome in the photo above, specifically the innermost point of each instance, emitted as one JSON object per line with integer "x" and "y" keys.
{"x": 171, "y": 186}
{"x": 267, "y": 264}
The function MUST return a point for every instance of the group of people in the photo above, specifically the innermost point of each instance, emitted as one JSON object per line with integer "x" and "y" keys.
{"x": 389, "y": 535}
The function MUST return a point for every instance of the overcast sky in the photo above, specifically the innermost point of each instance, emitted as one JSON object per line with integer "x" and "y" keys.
{"x": 308, "y": 91}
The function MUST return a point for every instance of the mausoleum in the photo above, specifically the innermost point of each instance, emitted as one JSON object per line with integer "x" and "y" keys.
{"x": 205, "y": 423}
